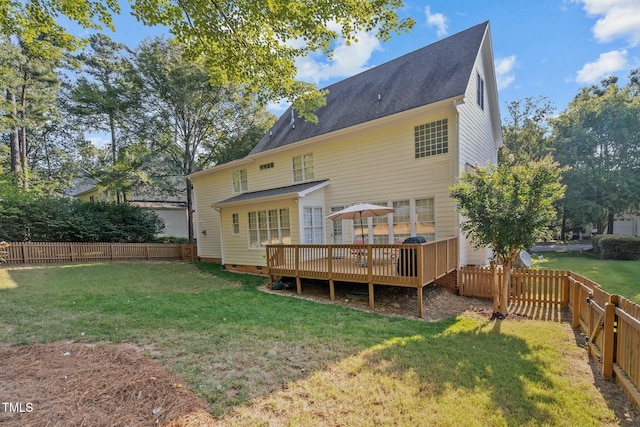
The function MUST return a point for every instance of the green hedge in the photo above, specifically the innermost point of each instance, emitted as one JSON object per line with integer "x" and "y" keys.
{"x": 31, "y": 217}
{"x": 171, "y": 239}
{"x": 615, "y": 246}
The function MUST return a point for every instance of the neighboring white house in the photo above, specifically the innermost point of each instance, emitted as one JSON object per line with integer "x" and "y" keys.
{"x": 172, "y": 209}
{"x": 398, "y": 134}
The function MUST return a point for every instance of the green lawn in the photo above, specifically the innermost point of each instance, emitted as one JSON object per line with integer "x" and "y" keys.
{"x": 264, "y": 359}
{"x": 615, "y": 277}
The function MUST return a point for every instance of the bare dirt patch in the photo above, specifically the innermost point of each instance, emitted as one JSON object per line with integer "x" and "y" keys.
{"x": 438, "y": 303}
{"x": 92, "y": 385}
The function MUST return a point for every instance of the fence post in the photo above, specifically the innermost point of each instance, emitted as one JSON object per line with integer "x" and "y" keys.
{"x": 576, "y": 304}
{"x": 607, "y": 347}
{"x": 565, "y": 290}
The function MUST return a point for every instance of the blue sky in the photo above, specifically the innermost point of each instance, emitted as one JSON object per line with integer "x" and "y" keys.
{"x": 541, "y": 48}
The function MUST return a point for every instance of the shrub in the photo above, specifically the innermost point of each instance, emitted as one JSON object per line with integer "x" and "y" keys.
{"x": 171, "y": 239}
{"x": 614, "y": 246}
{"x": 26, "y": 216}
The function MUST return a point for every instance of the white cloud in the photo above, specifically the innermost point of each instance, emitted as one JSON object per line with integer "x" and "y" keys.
{"x": 278, "y": 108}
{"x": 347, "y": 60}
{"x": 437, "y": 20}
{"x": 619, "y": 19}
{"x": 504, "y": 71}
{"x": 607, "y": 64}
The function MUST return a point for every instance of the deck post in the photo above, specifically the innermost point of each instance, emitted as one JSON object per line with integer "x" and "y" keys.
{"x": 371, "y": 302}
{"x": 332, "y": 290}
{"x": 419, "y": 289}
{"x": 298, "y": 285}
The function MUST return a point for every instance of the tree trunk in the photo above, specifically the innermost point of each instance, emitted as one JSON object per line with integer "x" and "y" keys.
{"x": 14, "y": 145}
{"x": 610, "y": 218}
{"x": 506, "y": 289}
{"x": 114, "y": 153}
{"x": 24, "y": 165}
{"x": 563, "y": 229}
{"x": 190, "y": 210}
{"x": 501, "y": 289}
{"x": 496, "y": 288}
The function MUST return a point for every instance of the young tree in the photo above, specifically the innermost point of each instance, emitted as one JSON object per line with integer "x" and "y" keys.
{"x": 507, "y": 208}
{"x": 598, "y": 137}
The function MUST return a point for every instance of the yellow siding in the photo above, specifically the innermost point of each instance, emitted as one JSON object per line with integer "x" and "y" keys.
{"x": 374, "y": 162}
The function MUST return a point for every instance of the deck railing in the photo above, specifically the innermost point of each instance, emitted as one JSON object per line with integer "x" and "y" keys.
{"x": 407, "y": 265}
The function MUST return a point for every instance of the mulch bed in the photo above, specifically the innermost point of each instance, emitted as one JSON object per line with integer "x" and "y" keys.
{"x": 92, "y": 385}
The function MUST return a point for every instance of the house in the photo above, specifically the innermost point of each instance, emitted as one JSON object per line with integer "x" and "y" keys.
{"x": 171, "y": 208}
{"x": 398, "y": 134}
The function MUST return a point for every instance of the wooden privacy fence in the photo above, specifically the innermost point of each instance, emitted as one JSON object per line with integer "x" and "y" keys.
{"x": 538, "y": 287}
{"x": 46, "y": 252}
{"x": 610, "y": 322}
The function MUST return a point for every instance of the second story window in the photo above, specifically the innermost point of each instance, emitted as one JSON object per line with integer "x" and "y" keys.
{"x": 303, "y": 168}
{"x": 240, "y": 181}
{"x": 431, "y": 139}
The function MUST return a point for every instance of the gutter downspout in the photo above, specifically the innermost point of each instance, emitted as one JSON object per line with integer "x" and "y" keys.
{"x": 456, "y": 174}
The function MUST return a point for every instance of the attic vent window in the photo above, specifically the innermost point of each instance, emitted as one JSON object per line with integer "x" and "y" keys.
{"x": 480, "y": 92}
{"x": 266, "y": 166}
{"x": 431, "y": 138}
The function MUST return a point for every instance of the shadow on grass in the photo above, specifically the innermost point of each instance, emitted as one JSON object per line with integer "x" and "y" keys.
{"x": 466, "y": 360}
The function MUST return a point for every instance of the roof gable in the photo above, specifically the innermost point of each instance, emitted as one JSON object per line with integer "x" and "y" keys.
{"x": 433, "y": 73}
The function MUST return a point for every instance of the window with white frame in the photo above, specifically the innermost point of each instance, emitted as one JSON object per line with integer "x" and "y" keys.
{"x": 414, "y": 218}
{"x": 402, "y": 220}
{"x": 240, "y": 183}
{"x": 425, "y": 219}
{"x": 337, "y": 230}
{"x": 380, "y": 227}
{"x": 235, "y": 222}
{"x": 313, "y": 225}
{"x": 431, "y": 138}
{"x": 269, "y": 227}
{"x": 303, "y": 168}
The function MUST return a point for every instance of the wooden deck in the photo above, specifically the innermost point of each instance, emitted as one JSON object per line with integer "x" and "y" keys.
{"x": 410, "y": 265}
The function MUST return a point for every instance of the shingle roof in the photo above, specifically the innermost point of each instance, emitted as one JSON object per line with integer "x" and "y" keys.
{"x": 433, "y": 73}
{"x": 280, "y": 191}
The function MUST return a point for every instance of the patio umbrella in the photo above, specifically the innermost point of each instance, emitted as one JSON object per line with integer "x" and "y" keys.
{"x": 359, "y": 211}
